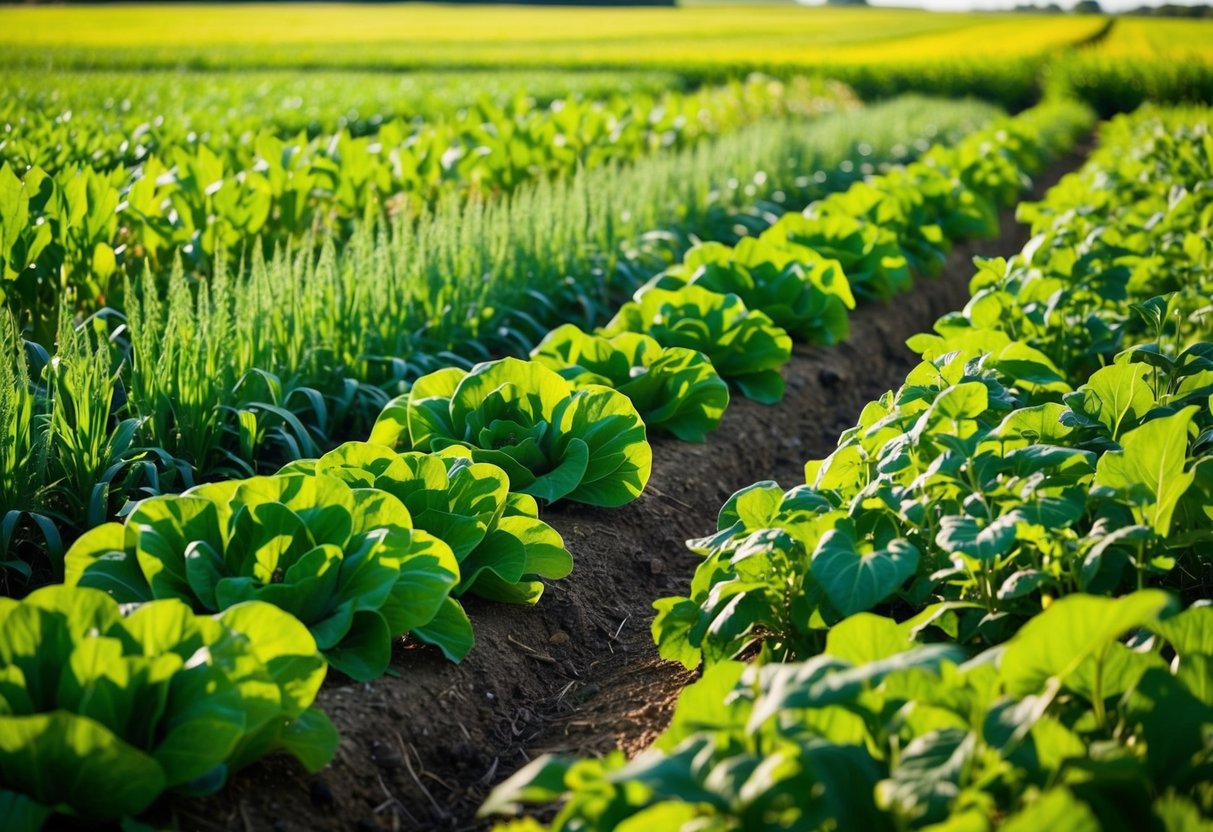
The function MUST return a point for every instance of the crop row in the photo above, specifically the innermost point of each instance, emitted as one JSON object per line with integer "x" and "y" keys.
{"x": 75, "y": 219}
{"x": 235, "y": 377}
{"x": 988, "y": 608}
{"x": 102, "y": 119}
{"x": 360, "y": 546}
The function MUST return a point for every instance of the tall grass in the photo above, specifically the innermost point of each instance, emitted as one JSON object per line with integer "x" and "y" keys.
{"x": 17, "y": 409}
{"x": 65, "y": 449}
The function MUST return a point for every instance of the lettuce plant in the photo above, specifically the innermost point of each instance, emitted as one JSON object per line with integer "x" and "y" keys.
{"x": 744, "y": 346}
{"x": 869, "y": 253}
{"x": 924, "y": 208}
{"x": 798, "y": 289}
{"x": 345, "y": 561}
{"x": 555, "y": 442}
{"x": 673, "y": 388}
{"x": 101, "y": 711}
{"x": 504, "y": 550}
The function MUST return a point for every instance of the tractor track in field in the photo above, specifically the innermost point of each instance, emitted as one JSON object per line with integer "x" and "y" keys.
{"x": 579, "y": 673}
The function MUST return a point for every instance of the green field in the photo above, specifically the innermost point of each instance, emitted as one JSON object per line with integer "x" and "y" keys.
{"x": 363, "y": 369}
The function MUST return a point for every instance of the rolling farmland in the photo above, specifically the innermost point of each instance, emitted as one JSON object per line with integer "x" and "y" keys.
{"x": 720, "y": 417}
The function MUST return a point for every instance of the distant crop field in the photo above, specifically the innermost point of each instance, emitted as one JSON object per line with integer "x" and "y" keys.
{"x": 422, "y": 35}
{"x": 1143, "y": 38}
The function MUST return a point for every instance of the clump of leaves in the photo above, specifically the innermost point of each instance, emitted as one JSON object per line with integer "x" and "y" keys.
{"x": 869, "y": 254}
{"x": 555, "y": 442}
{"x": 744, "y": 346}
{"x": 345, "y": 561}
{"x": 1090, "y": 715}
{"x": 673, "y": 388}
{"x": 800, "y": 290}
{"x": 504, "y": 550}
{"x": 102, "y": 710}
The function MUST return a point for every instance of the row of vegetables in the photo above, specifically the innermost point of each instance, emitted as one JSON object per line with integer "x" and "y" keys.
{"x": 74, "y": 220}
{"x": 243, "y": 373}
{"x": 989, "y": 606}
{"x": 70, "y": 118}
{"x": 103, "y": 707}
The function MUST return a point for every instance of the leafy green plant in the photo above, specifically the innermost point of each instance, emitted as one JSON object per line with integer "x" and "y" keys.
{"x": 1091, "y": 714}
{"x": 799, "y": 290}
{"x": 19, "y": 449}
{"x": 754, "y": 585}
{"x": 504, "y": 550}
{"x": 956, "y": 494}
{"x": 869, "y": 253}
{"x": 345, "y": 561}
{"x": 70, "y": 460}
{"x": 554, "y": 442}
{"x": 672, "y": 388}
{"x": 744, "y": 346}
{"x": 103, "y": 709}
{"x": 926, "y": 207}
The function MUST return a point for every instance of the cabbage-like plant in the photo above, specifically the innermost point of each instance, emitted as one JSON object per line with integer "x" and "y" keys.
{"x": 101, "y": 712}
{"x": 924, "y": 208}
{"x": 797, "y": 288}
{"x": 870, "y": 255}
{"x": 673, "y": 388}
{"x": 555, "y": 442}
{"x": 504, "y": 550}
{"x": 344, "y": 561}
{"x": 744, "y": 346}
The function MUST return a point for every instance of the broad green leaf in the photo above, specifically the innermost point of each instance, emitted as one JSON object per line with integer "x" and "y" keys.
{"x": 865, "y": 637}
{"x": 61, "y": 758}
{"x": 1057, "y": 810}
{"x": 1150, "y": 472}
{"x": 449, "y": 630}
{"x": 99, "y": 559}
{"x": 1055, "y": 643}
{"x": 1117, "y": 396}
{"x": 969, "y": 537}
{"x": 366, "y": 648}
{"x": 858, "y": 579}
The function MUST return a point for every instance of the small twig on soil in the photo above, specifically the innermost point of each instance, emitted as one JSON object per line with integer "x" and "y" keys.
{"x": 564, "y": 692}
{"x": 244, "y": 818}
{"x": 430, "y": 774}
{"x": 392, "y": 800}
{"x": 452, "y": 691}
{"x": 408, "y": 764}
{"x": 620, "y": 630}
{"x": 672, "y": 499}
{"x": 194, "y": 821}
{"x": 490, "y": 774}
{"x": 531, "y": 651}
{"x": 514, "y": 729}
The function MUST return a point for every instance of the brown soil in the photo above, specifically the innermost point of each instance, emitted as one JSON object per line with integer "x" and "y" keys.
{"x": 579, "y": 672}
